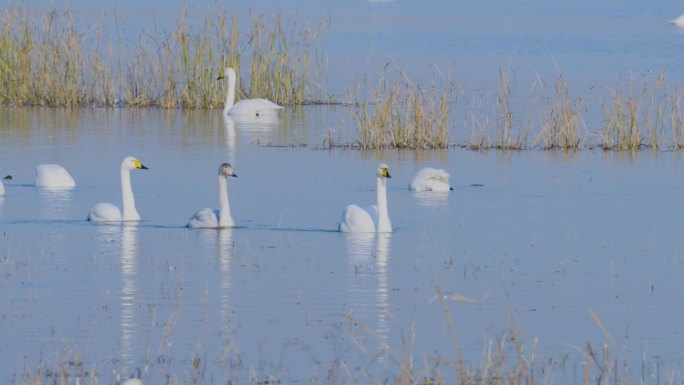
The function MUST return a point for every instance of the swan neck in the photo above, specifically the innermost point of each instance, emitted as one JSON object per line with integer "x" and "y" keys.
{"x": 230, "y": 98}
{"x": 129, "y": 211}
{"x": 384, "y": 224}
{"x": 225, "y": 219}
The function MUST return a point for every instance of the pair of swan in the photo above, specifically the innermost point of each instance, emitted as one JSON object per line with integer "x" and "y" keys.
{"x": 48, "y": 176}
{"x": 372, "y": 219}
{"x": 205, "y": 218}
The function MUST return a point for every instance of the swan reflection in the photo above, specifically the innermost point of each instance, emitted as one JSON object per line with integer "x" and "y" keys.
{"x": 431, "y": 198}
{"x": 55, "y": 202}
{"x": 231, "y": 136}
{"x": 368, "y": 277}
{"x": 129, "y": 290}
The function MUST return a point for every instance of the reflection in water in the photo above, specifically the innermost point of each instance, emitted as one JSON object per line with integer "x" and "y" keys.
{"x": 360, "y": 249}
{"x": 259, "y": 128}
{"x": 129, "y": 271}
{"x": 431, "y": 198}
{"x": 225, "y": 254}
{"x": 55, "y": 202}
{"x": 230, "y": 137}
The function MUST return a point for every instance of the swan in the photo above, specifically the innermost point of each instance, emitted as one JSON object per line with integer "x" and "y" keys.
{"x": 678, "y": 22}
{"x": 373, "y": 218}
{"x": 211, "y": 219}
{"x": 132, "y": 381}
{"x": 107, "y": 212}
{"x": 430, "y": 179}
{"x": 247, "y": 107}
{"x": 53, "y": 176}
{"x": 2, "y": 187}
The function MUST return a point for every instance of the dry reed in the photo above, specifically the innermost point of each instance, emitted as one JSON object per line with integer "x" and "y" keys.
{"x": 401, "y": 114}
{"x": 47, "y": 60}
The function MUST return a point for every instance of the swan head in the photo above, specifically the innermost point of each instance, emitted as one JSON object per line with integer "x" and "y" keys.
{"x": 225, "y": 169}
{"x": 227, "y": 73}
{"x": 383, "y": 171}
{"x": 132, "y": 163}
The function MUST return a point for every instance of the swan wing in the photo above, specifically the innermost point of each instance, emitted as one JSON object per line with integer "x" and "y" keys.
{"x": 204, "y": 219}
{"x": 254, "y": 107}
{"x": 104, "y": 212}
{"x": 430, "y": 179}
{"x": 358, "y": 220}
{"x": 53, "y": 176}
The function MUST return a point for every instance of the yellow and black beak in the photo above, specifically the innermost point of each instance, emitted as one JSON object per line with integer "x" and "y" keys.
{"x": 385, "y": 172}
{"x": 139, "y": 165}
{"x": 8, "y": 177}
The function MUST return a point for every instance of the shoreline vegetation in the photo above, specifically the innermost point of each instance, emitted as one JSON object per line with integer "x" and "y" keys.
{"x": 47, "y": 60}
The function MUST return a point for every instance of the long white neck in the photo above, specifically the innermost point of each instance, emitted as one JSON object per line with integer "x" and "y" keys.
{"x": 230, "y": 98}
{"x": 225, "y": 219}
{"x": 384, "y": 224}
{"x": 129, "y": 211}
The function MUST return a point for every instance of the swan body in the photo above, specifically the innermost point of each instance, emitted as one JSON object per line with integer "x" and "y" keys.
{"x": 212, "y": 219}
{"x": 356, "y": 219}
{"x": 678, "y": 22}
{"x": 53, "y": 176}
{"x": 2, "y": 187}
{"x": 132, "y": 381}
{"x": 107, "y": 212}
{"x": 430, "y": 179}
{"x": 246, "y": 107}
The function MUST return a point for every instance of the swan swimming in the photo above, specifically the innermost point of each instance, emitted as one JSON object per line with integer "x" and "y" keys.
{"x": 211, "y": 219}
{"x": 430, "y": 179}
{"x": 2, "y": 187}
{"x": 373, "y": 218}
{"x": 107, "y": 212}
{"x": 53, "y": 176}
{"x": 678, "y": 22}
{"x": 246, "y": 107}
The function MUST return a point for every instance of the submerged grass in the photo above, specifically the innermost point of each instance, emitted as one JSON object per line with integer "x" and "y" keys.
{"x": 47, "y": 60}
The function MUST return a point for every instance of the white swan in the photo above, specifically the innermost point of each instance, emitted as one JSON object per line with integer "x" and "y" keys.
{"x": 2, "y": 187}
{"x": 133, "y": 381}
{"x": 247, "y": 107}
{"x": 211, "y": 219}
{"x": 678, "y": 22}
{"x": 107, "y": 212}
{"x": 430, "y": 179}
{"x": 373, "y": 218}
{"x": 53, "y": 176}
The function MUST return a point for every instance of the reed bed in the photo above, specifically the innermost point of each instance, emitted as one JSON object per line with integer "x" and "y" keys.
{"x": 401, "y": 114}
{"x": 47, "y": 60}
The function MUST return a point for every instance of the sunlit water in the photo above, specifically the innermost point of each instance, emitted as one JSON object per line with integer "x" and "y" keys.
{"x": 563, "y": 248}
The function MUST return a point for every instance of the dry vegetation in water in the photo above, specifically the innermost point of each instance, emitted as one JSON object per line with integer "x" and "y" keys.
{"x": 49, "y": 60}
{"x": 506, "y": 360}
{"x": 46, "y": 60}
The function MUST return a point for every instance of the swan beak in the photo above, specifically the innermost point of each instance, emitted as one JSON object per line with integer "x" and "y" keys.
{"x": 139, "y": 165}
{"x": 233, "y": 175}
{"x": 385, "y": 172}
{"x": 220, "y": 77}
{"x": 8, "y": 177}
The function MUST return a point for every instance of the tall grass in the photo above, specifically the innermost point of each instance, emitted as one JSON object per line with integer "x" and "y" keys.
{"x": 47, "y": 60}
{"x": 561, "y": 128}
{"x": 401, "y": 114}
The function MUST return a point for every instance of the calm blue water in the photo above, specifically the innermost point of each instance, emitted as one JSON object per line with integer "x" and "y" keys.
{"x": 564, "y": 248}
